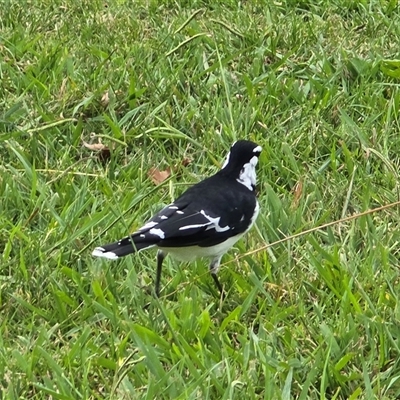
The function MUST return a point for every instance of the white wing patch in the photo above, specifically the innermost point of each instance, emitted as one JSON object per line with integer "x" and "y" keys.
{"x": 215, "y": 222}
{"x": 157, "y": 232}
{"x": 148, "y": 225}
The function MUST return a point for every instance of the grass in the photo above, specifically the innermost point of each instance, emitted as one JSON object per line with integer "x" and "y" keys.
{"x": 315, "y": 83}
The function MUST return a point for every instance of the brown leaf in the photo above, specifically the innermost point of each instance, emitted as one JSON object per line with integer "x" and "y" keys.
{"x": 298, "y": 191}
{"x": 103, "y": 152}
{"x": 158, "y": 176}
{"x": 105, "y": 99}
{"x": 62, "y": 88}
{"x": 185, "y": 162}
{"x": 94, "y": 146}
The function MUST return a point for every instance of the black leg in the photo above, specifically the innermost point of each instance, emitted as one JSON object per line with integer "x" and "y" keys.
{"x": 218, "y": 283}
{"x": 214, "y": 266}
{"x": 160, "y": 259}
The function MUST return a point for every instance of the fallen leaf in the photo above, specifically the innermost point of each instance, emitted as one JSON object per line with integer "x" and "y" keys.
{"x": 298, "y": 191}
{"x": 158, "y": 176}
{"x": 105, "y": 99}
{"x": 94, "y": 146}
{"x": 185, "y": 162}
{"x": 103, "y": 152}
{"x": 62, "y": 88}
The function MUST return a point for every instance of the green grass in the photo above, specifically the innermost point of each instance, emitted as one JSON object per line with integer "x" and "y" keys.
{"x": 315, "y": 83}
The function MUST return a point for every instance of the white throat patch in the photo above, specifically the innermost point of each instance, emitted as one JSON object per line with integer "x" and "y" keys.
{"x": 247, "y": 176}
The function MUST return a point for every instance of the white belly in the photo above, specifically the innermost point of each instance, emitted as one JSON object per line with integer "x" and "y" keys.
{"x": 190, "y": 253}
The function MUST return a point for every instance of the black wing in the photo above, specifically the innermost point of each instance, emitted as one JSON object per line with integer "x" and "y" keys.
{"x": 205, "y": 215}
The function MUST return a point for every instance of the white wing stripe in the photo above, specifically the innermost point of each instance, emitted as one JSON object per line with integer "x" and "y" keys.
{"x": 182, "y": 228}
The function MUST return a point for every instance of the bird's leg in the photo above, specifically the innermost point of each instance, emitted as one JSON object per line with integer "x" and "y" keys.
{"x": 160, "y": 259}
{"x": 214, "y": 267}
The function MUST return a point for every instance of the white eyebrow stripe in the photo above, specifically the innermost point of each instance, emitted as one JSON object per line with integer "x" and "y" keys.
{"x": 226, "y": 161}
{"x": 257, "y": 149}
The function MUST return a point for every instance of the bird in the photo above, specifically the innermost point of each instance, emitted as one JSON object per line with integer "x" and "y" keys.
{"x": 205, "y": 221}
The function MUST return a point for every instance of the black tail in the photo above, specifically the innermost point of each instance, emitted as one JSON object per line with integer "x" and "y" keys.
{"x": 125, "y": 246}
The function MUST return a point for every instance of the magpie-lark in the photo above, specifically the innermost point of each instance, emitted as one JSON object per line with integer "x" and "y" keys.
{"x": 205, "y": 221}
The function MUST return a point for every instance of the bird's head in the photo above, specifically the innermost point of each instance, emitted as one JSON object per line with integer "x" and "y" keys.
{"x": 241, "y": 161}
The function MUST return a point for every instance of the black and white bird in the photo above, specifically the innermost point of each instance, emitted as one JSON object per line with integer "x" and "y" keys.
{"x": 205, "y": 221}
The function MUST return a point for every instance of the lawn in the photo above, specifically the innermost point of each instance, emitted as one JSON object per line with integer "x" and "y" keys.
{"x": 97, "y": 97}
